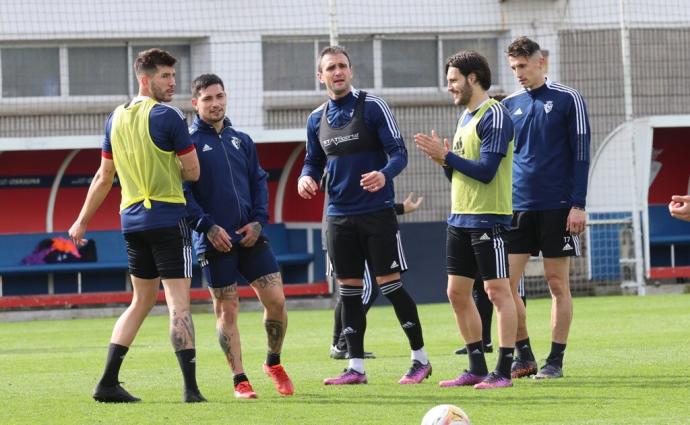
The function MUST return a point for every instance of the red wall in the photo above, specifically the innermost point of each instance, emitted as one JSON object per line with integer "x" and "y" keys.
{"x": 23, "y": 209}
{"x": 673, "y": 176}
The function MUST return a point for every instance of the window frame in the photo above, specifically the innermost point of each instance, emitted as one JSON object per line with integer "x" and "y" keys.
{"x": 63, "y": 69}
{"x": 377, "y": 39}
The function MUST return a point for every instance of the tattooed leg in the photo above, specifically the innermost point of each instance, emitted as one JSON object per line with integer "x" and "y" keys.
{"x": 181, "y": 330}
{"x": 269, "y": 289}
{"x": 226, "y": 307}
{"x": 181, "y": 325}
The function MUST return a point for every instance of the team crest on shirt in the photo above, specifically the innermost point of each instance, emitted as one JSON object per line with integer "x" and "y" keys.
{"x": 236, "y": 142}
{"x": 548, "y": 106}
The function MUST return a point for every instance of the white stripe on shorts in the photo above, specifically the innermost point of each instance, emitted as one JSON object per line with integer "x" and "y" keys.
{"x": 499, "y": 251}
{"x": 186, "y": 247}
{"x": 401, "y": 252}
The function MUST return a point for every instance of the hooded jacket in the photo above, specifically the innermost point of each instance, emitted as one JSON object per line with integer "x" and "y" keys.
{"x": 232, "y": 189}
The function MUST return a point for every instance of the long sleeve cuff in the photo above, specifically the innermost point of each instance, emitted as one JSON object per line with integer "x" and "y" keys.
{"x": 204, "y": 224}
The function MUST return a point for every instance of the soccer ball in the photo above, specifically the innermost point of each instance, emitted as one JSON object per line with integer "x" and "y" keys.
{"x": 446, "y": 414}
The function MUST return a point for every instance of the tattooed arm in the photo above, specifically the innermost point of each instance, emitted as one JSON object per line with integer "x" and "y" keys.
{"x": 251, "y": 233}
{"x": 219, "y": 238}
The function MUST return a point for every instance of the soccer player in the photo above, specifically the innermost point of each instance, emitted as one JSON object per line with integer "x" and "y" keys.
{"x": 147, "y": 143}
{"x": 679, "y": 207}
{"x": 370, "y": 291}
{"x": 228, "y": 209}
{"x": 550, "y": 168}
{"x": 355, "y": 136}
{"x": 480, "y": 169}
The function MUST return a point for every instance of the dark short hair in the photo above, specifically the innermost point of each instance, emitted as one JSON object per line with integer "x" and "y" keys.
{"x": 522, "y": 47}
{"x": 149, "y": 60}
{"x": 470, "y": 62}
{"x": 333, "y": 50}
{"x": 203, "y": 81}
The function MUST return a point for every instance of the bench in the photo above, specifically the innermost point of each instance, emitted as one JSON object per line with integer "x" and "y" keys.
{"x": 283, "y": 246}
{"x": 669, "y": 241}
{"x": 109, "y": 272}
{"x": 110, "y": 246}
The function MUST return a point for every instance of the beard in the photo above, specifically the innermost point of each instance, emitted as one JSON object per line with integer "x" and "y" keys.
{"x": 466, "y": 95}
{"x": 159, "y": 94}
{"x": 216, "y": 116}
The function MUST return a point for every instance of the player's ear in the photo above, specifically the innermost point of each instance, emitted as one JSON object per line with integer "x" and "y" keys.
{"x": 144, "y": 80}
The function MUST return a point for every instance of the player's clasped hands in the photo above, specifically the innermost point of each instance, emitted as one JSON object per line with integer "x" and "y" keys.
{"x": 432, "y": 146}
{"x": 373, "y": 181}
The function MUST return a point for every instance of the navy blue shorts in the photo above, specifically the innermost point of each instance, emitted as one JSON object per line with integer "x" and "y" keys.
{"x": 240, "y": 265}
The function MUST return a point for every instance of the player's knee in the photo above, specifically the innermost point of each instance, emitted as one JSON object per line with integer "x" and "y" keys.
{"x": 499, "y": 294}
{"x": 389, "y": 278}
{"x": 558, "y": 285}
{"x": 227, "y": 312}
{"x": 275, "y": 304}
{"x": 144, "y": 301}
{"x": 457, "y": 299}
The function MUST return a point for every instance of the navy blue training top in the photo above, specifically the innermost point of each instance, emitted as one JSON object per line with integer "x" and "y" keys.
{"x": 391, "y": 159}
{"x": 552, "y": 138}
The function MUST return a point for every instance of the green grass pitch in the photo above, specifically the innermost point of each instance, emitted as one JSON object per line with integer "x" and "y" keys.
{"x": 627, "y": 362}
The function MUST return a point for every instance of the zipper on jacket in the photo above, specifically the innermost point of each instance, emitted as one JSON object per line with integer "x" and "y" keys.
{"x": 232, "y": 175}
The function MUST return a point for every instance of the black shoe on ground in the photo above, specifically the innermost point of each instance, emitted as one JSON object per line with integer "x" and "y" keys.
{"x": 522, "y": 368}
{"x": 337, "y": 353}
{"x": 193, "y": 396}
{"x": 113, "y": 394}
{"x": 342, "y": 354}
{"x": 488, "y": 348}
{"x": 549, "y": 371}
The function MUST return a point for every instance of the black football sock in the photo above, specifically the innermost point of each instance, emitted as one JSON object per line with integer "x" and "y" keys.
{"x": 240, "y": 377}
{"x": 406, "y": 311}
{"x": 272, "y": 359}
{"x": 524, "y": 349}
{"x": 187, "y": 360}
{"x": 116, "y": 354}
{"x": 475, "y": 355}
{"x": 354, "y": 320}
{"x": 338, "y": 322}
{"x": 505, "y": 361}
{"x": 556, "y": 355}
